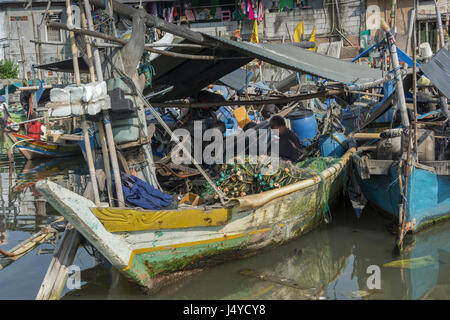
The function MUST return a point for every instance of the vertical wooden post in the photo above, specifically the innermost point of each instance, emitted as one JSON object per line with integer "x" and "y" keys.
{"x": 441, "y": 41}
{"x": 415, "y": 79}
{"x": 411, "y": 29}
{"x": 107, "y": 123}
{"x": 398, "y": 75}
{"x": 58, "y": 74}
{"x": 22, "y": 53}
{"x": 36, "y": 46}
{"x": 87, "y": 142}
{"x": 393, "y": 9}
{"x": 97, "y": 62}
{"x": 99, "y": 123}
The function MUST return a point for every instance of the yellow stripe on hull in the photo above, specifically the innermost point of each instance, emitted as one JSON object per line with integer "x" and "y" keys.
{"x": 127, "y": 220}
{"x": 193, "y": 243}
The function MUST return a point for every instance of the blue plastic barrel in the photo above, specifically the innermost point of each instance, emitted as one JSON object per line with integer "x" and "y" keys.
{"x": 332, "y": 145}
{"x": 303, "y": 123}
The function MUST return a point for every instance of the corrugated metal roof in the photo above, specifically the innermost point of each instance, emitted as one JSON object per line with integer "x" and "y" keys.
{"x": 438, "y": 71}
{"x": 301, "y": 60}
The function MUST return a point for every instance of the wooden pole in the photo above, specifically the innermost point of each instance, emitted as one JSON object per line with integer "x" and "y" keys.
{"x": 38, "y": 31}
{"x": 393, "y": 9}
{"x": 36, "y": 46}
{"x": 84, "y": 126}
{"x": 439, "y": 23}
{"x": 99, "y": 123}
{"x": 88, "y": 44}
{"x": 90, "y": 22}
{"x": 415, "y": 77}
{"x": 247, "y": 102}
{"x": 22, "y": 53}
{"x": 56, "y": 276}
{"x": 107, "y": 141}
{"x": 411, "y": 27}
{"x": 146, "y": 48}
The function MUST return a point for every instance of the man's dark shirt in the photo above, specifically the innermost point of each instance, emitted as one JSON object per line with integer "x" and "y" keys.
{"x": 290, "y": 147}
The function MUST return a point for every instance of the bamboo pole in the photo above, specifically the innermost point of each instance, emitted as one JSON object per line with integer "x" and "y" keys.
{"x": 439, "y": 23}
{"x": 97, "y": 62}
{"x": 36, "y": 46}
{"x": 112, "y": 45}
{"x": 411, "y": 29}
{"x": 99, "y": 123}
{"x": 84, "y": 126}
{"x": 60, "y": 25}
{"x": 398, "y": 75}
{"x": 88, "y": 44}
{"x": 108, "y": 141}
{"x": 393, "y": 9}
{"x": 415, "y": 77}
{"x": 247, "y": 102}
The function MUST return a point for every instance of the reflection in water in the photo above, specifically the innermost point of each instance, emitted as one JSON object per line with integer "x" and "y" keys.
{"x": 22, "y": 213}
{"x": 329, "y": 263}
{"x": 332, "y": 262}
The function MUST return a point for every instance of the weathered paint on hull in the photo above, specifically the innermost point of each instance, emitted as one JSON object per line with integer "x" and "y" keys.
{"x": 428, "y": 198}
{"x": 298, "y": 214}
{"x": 42, "y": 149}
{"x": 156, "y": 258}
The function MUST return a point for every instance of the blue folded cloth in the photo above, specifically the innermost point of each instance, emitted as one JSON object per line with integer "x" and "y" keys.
{"x": 141, "y": 194}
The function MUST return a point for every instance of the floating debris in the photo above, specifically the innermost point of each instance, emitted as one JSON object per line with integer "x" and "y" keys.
{"x": 413, "y": 263}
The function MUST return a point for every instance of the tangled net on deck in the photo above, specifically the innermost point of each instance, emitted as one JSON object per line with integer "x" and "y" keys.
{"x": 253, "y": 175}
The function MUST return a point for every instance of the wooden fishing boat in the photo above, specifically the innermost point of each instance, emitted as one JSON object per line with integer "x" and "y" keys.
{"x": 34, "y": 149}
{"x": 156, "y": 248}
{"x": 428, "y": 197}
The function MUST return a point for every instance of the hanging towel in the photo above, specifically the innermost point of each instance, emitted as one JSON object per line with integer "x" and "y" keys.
{"x": 139, "y": 193}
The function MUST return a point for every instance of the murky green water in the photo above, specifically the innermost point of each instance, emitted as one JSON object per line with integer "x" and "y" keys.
{"x": 335, "y": 261}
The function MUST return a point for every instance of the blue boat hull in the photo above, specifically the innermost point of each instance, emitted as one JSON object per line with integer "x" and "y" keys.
{"x": 428, "y": 197}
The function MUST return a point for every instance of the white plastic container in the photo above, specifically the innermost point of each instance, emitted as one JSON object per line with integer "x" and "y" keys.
{"x": 425, "y": 50}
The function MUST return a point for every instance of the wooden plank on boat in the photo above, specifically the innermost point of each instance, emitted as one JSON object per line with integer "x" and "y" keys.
{"x": 424, "y": 167}
{"x": 367, "y": 148}
{"x": 132, "y": 144}
{"x": 125, "y": 220}
{"x": 379, "y": 167}
{"x": 366, "y": 136}
{"x": 70, "y": 137}
{"x": 442, "y": 168}
{"x": 56, "y": 276}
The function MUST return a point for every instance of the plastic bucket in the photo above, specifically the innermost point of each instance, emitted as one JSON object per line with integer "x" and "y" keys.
{"x": 333, "y": 145}
{"x": 303, "y": 123}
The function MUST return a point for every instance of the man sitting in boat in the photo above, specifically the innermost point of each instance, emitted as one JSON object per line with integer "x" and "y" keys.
{"x": 290, "y": 147}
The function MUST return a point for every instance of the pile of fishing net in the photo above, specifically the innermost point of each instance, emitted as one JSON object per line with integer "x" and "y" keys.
{"x": 251, "y": 175}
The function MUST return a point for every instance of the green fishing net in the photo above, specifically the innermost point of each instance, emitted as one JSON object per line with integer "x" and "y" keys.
{"x": 253, "y": 175}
